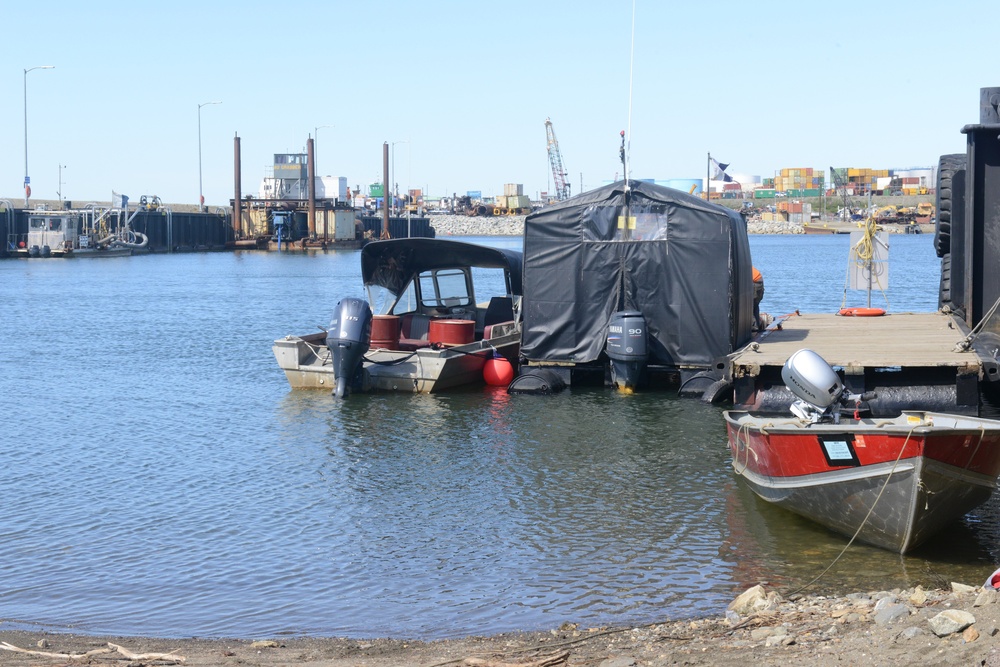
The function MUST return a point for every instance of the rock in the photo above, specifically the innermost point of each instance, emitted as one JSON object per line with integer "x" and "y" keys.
{"x": 891, "y": 613}
{"x": 42, "y": 643}
{"x": 265, "y": 643}
{"x": 732, "y": 617}
{"x": 623, "y": 661}
{"x": 748, "y": 600}
{"x": 970, "y": 634}
{"x": 760, "y": 634}
{"x": 988, "y": 596}
{"x": 951, "y": 621}
{"x": 912, "y": 632}
{"x": 962, "y": 588}
{"x": 919, "y": 596}
{"x": 886, "y": 601}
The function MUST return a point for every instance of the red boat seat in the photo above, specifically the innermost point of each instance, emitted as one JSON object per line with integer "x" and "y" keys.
{"x": 414, "y": 328}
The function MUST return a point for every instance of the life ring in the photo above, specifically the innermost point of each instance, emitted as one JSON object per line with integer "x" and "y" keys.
{"x": 861, "y": 312}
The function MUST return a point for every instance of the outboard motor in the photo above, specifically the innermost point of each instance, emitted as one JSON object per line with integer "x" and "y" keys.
{"x": 819, "y": 389}
{"x": 348, "y": 338}
{"x": 627, "y": 349}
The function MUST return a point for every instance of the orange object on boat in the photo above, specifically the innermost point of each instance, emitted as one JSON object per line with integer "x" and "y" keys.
{"x": 861, "y": 312}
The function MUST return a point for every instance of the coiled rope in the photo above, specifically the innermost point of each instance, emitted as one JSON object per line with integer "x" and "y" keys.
{"x": 863, "y": 255}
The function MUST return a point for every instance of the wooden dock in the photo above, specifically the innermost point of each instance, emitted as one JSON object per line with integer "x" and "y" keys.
{"x": 914, "y": 359}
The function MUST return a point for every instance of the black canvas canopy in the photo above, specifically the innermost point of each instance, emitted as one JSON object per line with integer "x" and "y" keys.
{"x": 684, "y": 263}
{"x": 392, "y": 263}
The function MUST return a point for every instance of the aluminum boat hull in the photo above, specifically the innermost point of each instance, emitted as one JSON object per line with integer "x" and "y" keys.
{"x": 900, "y": 480}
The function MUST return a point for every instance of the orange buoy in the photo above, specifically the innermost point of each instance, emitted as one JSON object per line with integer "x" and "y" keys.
{"x": 861, "y": 312}
{"x": 497, "y": 372}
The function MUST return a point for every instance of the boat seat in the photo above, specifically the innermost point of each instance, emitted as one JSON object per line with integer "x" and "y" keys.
{"x": 500, "y": 309}
{"x": 414, "y": 328}
{"x": 499, "y": 326}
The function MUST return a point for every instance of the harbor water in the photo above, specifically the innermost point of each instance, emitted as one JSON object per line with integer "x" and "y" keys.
{"x": 160, "y": 478}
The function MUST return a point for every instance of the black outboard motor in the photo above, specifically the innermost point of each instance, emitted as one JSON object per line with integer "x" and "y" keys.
{"x": 348, "y": 338}
{"x": 627, "y": 349}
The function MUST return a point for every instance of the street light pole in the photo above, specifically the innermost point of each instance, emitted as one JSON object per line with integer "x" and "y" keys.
{"x": 59, "y": 191}
{"x": 201, "y": 197}
{"x": 27, "y": 181}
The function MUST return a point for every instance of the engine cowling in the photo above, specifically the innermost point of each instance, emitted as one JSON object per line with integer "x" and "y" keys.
{"x": 811, "y": 379}
{"x": 348, "y": 339}
{"x": 627, "y": 349}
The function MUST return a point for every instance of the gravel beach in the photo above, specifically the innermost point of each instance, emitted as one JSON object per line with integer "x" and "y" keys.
{"x": 513, "y": 225}
{"x": 899, "y": 627}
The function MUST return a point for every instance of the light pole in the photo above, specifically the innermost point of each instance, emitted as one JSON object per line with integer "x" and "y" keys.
{"x": 59, "y": 191}
{"x": 201, "y": 197}
{"x": 27, "y": 181}
{"x": 401, "y": 141}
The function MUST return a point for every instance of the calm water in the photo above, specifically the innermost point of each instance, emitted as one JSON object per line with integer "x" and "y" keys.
{"x": 160, "y": 478}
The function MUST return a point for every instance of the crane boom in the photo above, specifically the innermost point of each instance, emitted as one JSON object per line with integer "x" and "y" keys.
{"x": 555, "y": 161}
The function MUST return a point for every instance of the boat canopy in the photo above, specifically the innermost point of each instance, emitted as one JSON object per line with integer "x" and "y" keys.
{"x": 392, "y": 263}
{"x": 684, "y": 263}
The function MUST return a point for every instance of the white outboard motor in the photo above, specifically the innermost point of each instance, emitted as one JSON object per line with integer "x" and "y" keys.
{"x": 820, "y": 391}
{"x": 627, "y": 349}
{"x": 348, "y": 338}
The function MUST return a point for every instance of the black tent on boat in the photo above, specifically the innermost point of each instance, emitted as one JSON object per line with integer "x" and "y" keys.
{"x": 684, "y": 263}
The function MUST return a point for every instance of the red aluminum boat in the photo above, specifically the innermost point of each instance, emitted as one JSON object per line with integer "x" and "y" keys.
{"x": 899, "y": 480}
{"x": 891, "y": 481}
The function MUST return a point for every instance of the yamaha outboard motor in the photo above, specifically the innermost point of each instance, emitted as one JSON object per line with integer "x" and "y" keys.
{"x": 820, "y": 391}
{"x": 627, "y": 349}
{"x": 348, "y": 338}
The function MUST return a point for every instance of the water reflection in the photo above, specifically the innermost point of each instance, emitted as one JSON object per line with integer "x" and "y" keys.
{"x": 253, "y": 510}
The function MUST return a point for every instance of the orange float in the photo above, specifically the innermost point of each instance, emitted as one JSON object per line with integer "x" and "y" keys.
{"x": 497, "y": 372}
{"x": 861, "y": 312}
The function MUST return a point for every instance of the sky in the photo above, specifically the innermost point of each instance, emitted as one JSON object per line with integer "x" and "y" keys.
{"x": 461, "y": 90}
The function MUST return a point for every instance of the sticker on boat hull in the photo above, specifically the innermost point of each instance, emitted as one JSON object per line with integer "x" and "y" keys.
{"x": 838, "y": 449}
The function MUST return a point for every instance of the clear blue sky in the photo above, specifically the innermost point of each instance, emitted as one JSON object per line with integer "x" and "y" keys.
{"x": 761, "y": 86}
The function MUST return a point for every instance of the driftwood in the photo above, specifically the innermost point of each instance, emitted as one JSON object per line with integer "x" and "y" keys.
{"x": 545, "y": 661}
{"x": 166, "y": 657}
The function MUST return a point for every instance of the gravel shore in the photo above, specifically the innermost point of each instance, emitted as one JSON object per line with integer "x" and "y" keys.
{"x": 960, "y": 626}
{"x": 513, "y": 225}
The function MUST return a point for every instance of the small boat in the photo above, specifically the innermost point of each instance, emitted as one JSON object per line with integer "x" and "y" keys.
{"x": 891, "y": 482}
{"x": 76, "y": 234}
{"x": 438, "y": 312}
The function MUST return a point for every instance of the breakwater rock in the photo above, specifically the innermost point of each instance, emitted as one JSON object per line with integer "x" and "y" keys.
{"x": 464, "y": 225}
{"x": 513, "y": 225}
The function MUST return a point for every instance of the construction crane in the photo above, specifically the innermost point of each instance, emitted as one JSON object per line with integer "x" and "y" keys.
{"x": 841, "y": 185}
{"x": 555, "y": 161}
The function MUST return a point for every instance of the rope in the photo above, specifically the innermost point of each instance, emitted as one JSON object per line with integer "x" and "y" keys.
{"x": 864, "y": 521}
{"x": 966, "y": 342}
{"x": 863, "y": 254}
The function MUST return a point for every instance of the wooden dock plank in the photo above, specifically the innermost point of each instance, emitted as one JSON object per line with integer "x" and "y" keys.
{"x": 895, "y": 339}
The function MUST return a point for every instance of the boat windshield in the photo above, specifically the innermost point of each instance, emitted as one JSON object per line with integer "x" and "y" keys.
{"x": 445, "y": 288}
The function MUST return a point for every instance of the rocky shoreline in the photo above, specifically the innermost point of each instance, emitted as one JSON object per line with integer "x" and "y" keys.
{"x": 760, "y": 627}
{"x": 513, "y": 225}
